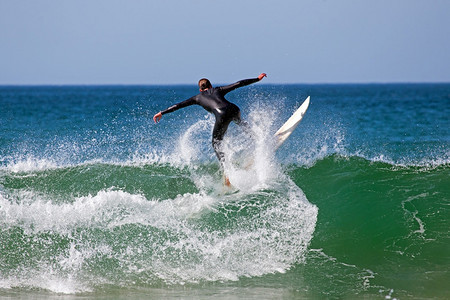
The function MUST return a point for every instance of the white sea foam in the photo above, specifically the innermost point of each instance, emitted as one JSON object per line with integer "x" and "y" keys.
{"x": 412, "y": 212}
{"x": 270, "y": 242}
{"x": 424, "y": 163}
{"x": 30, "y": 163}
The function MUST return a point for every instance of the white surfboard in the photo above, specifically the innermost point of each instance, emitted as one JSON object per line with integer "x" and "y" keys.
{"x": 285, "y": 131}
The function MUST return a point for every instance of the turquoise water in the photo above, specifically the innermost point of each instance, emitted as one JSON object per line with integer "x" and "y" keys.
{"x": 97, "y": 201}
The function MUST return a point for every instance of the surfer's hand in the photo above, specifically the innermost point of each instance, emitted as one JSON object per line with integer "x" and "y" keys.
{"x": 261, "y": 76}
{"x": 157, "y": 117}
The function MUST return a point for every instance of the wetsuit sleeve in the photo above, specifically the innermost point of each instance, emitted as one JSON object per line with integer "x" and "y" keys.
{"x": 177, "y": 106}
{"x": 228, "y": 88}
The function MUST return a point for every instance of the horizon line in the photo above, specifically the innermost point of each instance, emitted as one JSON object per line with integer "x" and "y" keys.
{"x": 190, "y": 84}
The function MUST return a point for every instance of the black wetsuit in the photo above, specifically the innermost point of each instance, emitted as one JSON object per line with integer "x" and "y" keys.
{"x": 213, "y": 100}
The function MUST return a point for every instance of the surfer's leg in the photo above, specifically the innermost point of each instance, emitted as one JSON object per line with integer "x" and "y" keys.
{"x": 220, "y": 128}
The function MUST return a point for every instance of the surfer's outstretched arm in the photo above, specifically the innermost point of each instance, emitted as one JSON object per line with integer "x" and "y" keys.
{"x": 157, "y": 117}
{"x": 241, "y": 83}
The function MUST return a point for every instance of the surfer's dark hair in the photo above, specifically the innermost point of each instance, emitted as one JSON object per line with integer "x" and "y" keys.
{"x": 204, "y": 84}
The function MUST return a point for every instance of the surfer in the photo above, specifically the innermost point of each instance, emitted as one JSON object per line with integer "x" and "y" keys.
{"x": 213, "y": 100}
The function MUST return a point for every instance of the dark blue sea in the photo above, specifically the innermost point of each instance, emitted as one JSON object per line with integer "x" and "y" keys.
{"x": 96, "y": 201}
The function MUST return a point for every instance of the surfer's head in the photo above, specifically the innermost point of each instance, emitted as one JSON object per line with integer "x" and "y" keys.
{"x": 204, "y": 84}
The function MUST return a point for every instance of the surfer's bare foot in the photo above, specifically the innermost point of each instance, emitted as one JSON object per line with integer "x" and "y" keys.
{"x": 227, "y": 181}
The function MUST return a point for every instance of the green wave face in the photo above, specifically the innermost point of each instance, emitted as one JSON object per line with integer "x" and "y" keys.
{"x": 384, "y": 225}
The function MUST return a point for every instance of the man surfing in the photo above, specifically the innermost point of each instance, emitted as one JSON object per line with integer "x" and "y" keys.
{"x": 213, "y": 100}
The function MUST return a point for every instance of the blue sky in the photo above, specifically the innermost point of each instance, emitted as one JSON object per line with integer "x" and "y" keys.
{"x": 178, "y": 42}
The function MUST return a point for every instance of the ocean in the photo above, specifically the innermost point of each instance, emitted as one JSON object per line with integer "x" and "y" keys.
{"x": 97, "y": 201}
